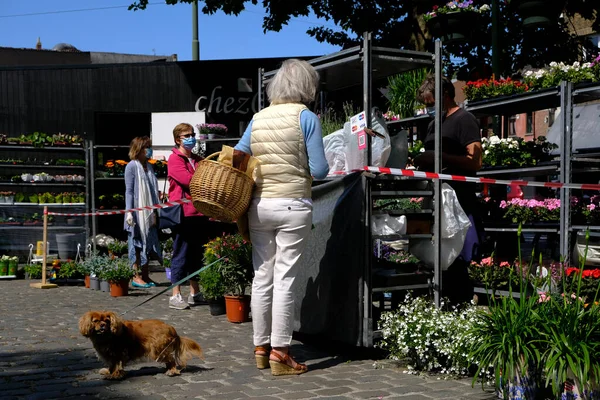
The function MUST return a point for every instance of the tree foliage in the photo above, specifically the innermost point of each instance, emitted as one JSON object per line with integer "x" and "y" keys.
{"x": 399, "y": 24}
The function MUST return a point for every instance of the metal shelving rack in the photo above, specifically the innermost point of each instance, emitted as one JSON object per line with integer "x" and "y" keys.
{"x": 361, "y": 65}
{"x": 29, "y": 151}
{"x": 565, "y": 96}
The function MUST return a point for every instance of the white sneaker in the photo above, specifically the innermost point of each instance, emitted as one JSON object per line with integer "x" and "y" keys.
{"x": 177, "y": 302}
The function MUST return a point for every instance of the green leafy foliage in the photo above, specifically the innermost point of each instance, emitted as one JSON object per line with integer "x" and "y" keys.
{"x": 211, "y": 283}
{"x": 117, "y": 270}
{"x": 34, "y": 271}
{"x": 401, "y": 24}
{"x": 232, "y": 256}
{"x": 402, "y": 94}
{"x": 70, "y": 270}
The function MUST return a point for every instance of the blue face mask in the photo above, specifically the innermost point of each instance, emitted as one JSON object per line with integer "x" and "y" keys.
{"x": 189, "y": 143}
{"x": 430, "y": 111}
{"x": 149, "y": 153}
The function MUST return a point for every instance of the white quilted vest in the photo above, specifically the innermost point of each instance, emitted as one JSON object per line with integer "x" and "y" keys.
{"x": 278, "y": 142}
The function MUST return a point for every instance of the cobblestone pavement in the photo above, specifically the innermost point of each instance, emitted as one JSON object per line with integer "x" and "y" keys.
{"x": 43, "y": 356}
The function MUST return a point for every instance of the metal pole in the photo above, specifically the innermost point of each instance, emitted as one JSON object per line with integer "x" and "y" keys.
{"x": 566, "y": 104}
{"x": 367, "y": 89}
{"x": 367, "y": 328}
{"x": 437, "y": 184}
{"x": 261, "y": 73}
{"x": 495, "y": 38}
{"x": 92, "y": 186}
{"x": 195, "y": 41}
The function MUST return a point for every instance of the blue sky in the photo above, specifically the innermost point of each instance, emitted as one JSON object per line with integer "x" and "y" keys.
{"x": 160, "y": 29}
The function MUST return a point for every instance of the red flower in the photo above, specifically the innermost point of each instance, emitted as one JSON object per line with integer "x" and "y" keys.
{"x": 587, "y": 273}
{"x": 435, "y": 7}
{"x": 571, "y": 270}
{"x": 596, "y": 273}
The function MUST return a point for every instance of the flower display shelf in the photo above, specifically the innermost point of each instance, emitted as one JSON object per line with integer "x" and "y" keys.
{"x": 496, "y": 292}
{"x": 541, "y": 169}
{"x": 516, "y": 104}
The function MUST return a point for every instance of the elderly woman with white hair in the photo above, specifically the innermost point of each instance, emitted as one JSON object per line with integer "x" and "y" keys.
{"x": 286, "y": 138}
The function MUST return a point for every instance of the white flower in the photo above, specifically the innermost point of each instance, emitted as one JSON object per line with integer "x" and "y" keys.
{"x": 487, "y": 152}
{"x": 553, "y": 64}
{"x": 484, "y": 7}
{"x": 422, "y": 150}
{"x": 494, "y": 140}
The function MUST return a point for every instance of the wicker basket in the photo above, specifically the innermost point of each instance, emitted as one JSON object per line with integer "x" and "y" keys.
{"x": 220, "y": 191}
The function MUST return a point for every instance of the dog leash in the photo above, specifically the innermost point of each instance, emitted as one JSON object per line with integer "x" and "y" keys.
{"x": 190, "y": 276}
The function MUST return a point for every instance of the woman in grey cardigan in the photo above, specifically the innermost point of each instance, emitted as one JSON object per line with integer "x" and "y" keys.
{"x": 141, "y": 189}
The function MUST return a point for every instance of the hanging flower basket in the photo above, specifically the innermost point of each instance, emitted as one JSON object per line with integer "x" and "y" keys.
{"x": 453, "y": 26}
{"x": 536, "y": 13}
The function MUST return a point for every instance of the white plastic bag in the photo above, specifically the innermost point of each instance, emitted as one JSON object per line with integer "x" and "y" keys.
{"x": 455, "y": 224}
{"x": 384, "y": 224}
{"x": 341, "y": 147}
{"x": 334, "y": 145}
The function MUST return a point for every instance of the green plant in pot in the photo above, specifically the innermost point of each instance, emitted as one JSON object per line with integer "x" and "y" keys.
{"x": 213, "y": 289}
{"x": 572, "y": 341}
{"x": 33, "y": 271}
{"x": 71, "y": 270}
{"x": 233, "y": 259}
{"x": 117, "y": 247}
{"x": 506, "y": 337}
{"x": 118, "y": 273}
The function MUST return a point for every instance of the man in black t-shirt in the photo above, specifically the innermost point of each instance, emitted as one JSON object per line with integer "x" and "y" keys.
{"x": 461, "y": 155}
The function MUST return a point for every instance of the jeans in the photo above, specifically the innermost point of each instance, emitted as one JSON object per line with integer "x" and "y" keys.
{"x": 278, "y": 230}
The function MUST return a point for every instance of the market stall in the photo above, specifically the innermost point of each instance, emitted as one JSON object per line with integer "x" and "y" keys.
{"x": 335, "y": 297}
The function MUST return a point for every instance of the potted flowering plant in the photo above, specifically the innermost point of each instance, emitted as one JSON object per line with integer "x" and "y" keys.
{"x": 490, "y": 273}
{"x": 453, "y": 21}
{"x": 515, "y": 152}
{"x": 210, "y": 130}
{"x": 118, "y": 273}
{"x": 489, "y": 88}
{"x": 553, "y": 74}
{"x": 232, "y": 256}
{"x": 528, "y": 211}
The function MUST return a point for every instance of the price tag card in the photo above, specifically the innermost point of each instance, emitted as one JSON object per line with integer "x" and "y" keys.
{"x": 358, "y": 123}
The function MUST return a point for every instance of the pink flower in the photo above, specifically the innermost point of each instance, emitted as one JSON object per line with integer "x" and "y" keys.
{"x": 504, "y": 264}
{"x": 591, "y": 207}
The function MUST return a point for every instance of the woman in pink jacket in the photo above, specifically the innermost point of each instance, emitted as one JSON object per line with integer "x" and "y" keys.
{"x": 193, "y": 232}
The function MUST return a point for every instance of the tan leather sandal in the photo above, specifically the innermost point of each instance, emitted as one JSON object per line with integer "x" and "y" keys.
{"x": 262, "y": 360}
{"x": 283, "y": 367}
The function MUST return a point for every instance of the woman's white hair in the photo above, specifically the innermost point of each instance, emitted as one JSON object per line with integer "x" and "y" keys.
{"x": 295, "y": 82}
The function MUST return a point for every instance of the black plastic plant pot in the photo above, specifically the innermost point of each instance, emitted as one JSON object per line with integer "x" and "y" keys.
{"x": 453, "y": 27}
{"x": 539, "y": 13}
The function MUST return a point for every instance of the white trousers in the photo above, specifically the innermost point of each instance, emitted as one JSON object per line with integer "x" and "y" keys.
{"x": 278, "y": 230}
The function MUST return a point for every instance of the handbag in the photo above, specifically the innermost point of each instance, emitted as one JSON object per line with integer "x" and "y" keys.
{"x": 169, "y": 218}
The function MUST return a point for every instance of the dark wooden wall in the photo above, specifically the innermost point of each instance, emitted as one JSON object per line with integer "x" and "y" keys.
{"x": 69, "y": 99}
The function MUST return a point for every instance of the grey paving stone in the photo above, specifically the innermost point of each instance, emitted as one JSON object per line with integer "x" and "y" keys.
{"x": 264, "y": 391}
{"x": 333, "y": 391}
{"x": 297, "y": 395}
{"x": 370, "y": 394}
{"x": 44, "y": 396}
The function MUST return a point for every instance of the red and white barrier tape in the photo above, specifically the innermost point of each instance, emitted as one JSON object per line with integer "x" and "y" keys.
{"x": 381, "y": 170}
{"x": 117, "y": 212}
{"x": 460, "y": 178}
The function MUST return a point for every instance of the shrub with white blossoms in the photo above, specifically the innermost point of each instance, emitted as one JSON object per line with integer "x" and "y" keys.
{"x": 553, "y": 74}
{"x": 432, "y": 339}
{"x": 515, "y": 152}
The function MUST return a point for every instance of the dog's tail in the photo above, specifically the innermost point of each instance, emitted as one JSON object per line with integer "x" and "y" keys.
{"x": 187, "y": 349}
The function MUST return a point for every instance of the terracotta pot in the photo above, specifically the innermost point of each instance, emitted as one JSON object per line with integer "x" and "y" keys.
{"x": 86, "y": 281}
{"x": 120, "y": 288}
{"x": 237, "y": 308}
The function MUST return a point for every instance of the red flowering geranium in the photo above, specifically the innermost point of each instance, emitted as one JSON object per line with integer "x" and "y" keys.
{"x": 489, "y": 88}
{"x": 590, "y": 281}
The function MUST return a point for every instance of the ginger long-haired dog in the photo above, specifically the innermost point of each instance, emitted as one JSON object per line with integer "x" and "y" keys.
{"x": 119, "y": 341}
